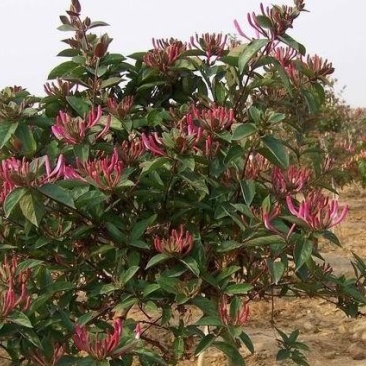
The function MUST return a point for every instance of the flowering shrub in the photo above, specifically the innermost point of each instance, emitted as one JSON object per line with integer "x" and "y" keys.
{"x": 178, "y": 178}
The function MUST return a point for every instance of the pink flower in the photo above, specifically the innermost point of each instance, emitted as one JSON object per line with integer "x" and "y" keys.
{"x": 73, "y": 130}
{"x": 236, "y": 318}
{"x": 15, "y": 295}
{"x": 152, "y": 143}
{"x": 291, "y": 180}
{"x": 180, "y": 242}
{"x": 214, "y": 119}
{"x": 104, "y": 173}
{"x": 102, "y": 346}
{"x": 164, "y": 54}
{"x": 212, "y": 44}
{"x": 19, "y": 173}
{"x": 318, "y": 211}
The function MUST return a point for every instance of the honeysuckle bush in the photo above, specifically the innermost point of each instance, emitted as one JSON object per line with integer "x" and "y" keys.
{"x": 342, "y": 136}
{"x": 174, "y": 180}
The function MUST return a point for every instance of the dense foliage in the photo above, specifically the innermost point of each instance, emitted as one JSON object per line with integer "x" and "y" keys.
{"x": 142, "y": 187}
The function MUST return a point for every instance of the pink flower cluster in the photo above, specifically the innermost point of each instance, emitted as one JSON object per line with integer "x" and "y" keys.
{"x": 21, "y": 173}
{"x": 212, "y": 44}
{"x": 103, "y": 346}
{"x": 179, "y": 242}
{"x": 74, "y": 130}
{"x": 318, "y": 211}
{"x": 15, "y": 295}
{"x": 289, "y": 181}
{"x": 104, "y": 173}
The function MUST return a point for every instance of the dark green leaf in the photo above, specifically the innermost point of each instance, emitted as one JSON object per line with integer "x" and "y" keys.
{"x": 192, "y": 265}
{"x": 247, "y": 342}
{"x": 249, "y": 52}
{"x": 13, "y": 198}
{"x": 248, "y": 190}
{"x": 140, "y": 227}
{"x": 275, "y": 151}
{"x": 243, "y": 130}
{"x": 238, "y": 289}
{"x": 63, "y": 69}
{"x": 205, "y": 342}
{"x": 231, "y": 351}
{"x": 57, "y": 194}
{"x": 276, "y": 270}
{"x": 79, "y": 105}
{"x": 209, "y": 320}
{"x": 7, "y": 129}
{"x": 20, "y": 318}
{"x": 302, "y": 253}
{"x": 157, "y": 259}
{"x": 293, "y": 44}
{"x": 32, "y": 208}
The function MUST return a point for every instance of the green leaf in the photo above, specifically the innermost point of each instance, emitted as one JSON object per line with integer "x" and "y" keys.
{"x": 17, "y": 317}
{"x": 247, "y": 342}
{"x": 302, "y": 253}
{"x": 209, "y": 320}
{"x": 69, "y": 52}
{"x": 7, "y": 129}
{"x": 150, "y": 289}
{"x": 243, "y": 130}
{"x": 205, "y": 342}
{"x": 140, "y": 227}
{"x": 129, "y": 273}
{"x": 110, "y": 82}
{"x": 66, "y": 28}
{"x": 293, "y": 44}
{"x": 98, "y": 23}
{"x": 227, "y": 272}
{"x": 57, "y": 194}
{"x": 157, "y": 259}
{"x": 231, "y": 351}
{"x": 275, "y": 152}
{"x": 151, "y": 357}
{"x": 238, "y": 289}
{"x": 28, "y": 263}
{"x": 31, "y": 208}
{"x": 79, "y": 105}
{"x": 25, "y": 134}
{"x": 63, "y": 69}
{"x": 13, "y": 198}
{"x": 276, "y": 270}
{"x": 248, "y": 190}
{"x": 249, "y": 52}
{"x": 148, "y": 166}
{"x": 192, "y": 265}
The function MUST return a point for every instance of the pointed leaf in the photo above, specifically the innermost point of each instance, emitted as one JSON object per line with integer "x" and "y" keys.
{"x": 243, "y": 130}
{"x": 231, "y": 351}
{"x": 78, "y": 105}
{"x": 204, "y": 343}
{"x": 249, "y": 51}
{"x": 57, "y": 194}
{"x": 275, "y": 151}
{"x": 157, "y": 259}
{"x": 192, "y": 265}
{"x": 32, "y": 208}
{"x": 7, "y": 129}
{"x": 17, "y": 317}
{"x": 13, "y": 198}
